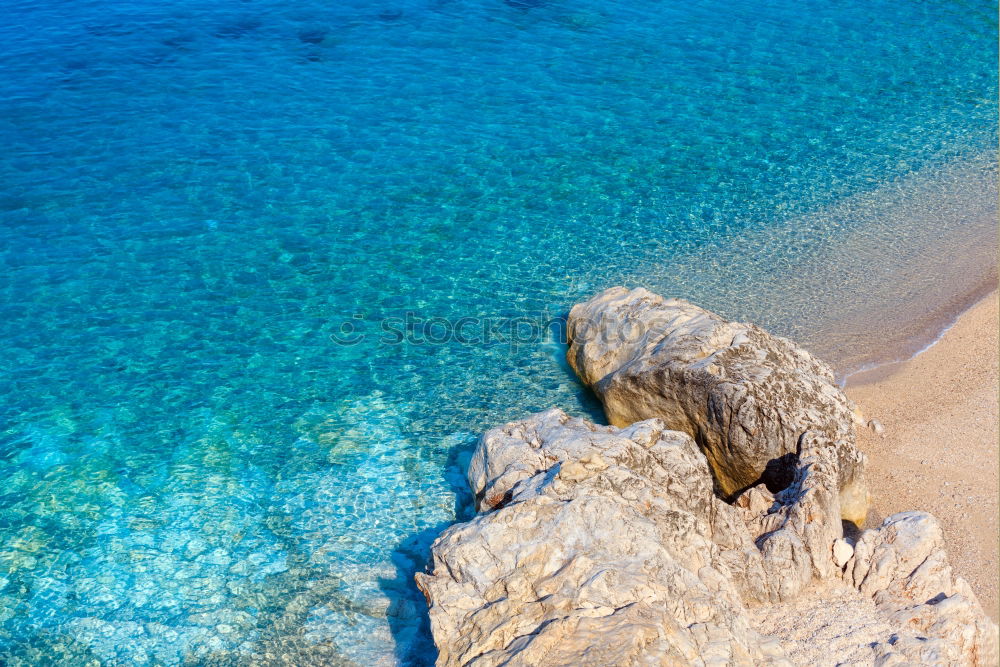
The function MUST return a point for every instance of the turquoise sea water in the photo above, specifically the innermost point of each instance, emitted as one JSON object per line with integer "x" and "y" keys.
{"x": 199, "y": 200}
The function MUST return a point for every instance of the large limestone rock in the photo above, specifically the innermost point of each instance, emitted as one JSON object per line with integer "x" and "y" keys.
{"x": 903, "y": 567}
{"x": 747, "y": 397}
{"x": 603, "y": 546}
{"x": 612, "y": 545}
{"x": 898, "y": 604}
{"x": 596, "y": 548}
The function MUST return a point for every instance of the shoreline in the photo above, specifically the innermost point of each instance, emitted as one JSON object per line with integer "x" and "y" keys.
{"x": 939, "y": 452}
{"x": 940, "y": 322}
{"x": 868, "y": 280}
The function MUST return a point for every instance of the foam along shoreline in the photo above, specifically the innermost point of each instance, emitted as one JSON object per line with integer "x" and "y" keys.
{"x": 925, "y": 333}
{"x": 939, "y": 452}
{"x": 916, "y": 254}
{"x": 876, "y": 276}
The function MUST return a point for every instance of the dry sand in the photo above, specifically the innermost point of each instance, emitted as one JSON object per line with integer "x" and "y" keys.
{"x": 939, "y": 452}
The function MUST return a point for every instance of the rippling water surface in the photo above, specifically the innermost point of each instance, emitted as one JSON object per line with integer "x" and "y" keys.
{"x": 200, "y": 199}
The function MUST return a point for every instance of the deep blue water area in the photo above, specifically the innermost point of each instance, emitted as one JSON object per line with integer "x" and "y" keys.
{"x": 229, "y": 426}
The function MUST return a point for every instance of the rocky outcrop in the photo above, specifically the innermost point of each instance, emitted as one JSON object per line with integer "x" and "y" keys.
{"x": 747, "y": 397}
{"x": 903, "y": 567}
{"x": 596, "y": 547}
{"x": 603, "y": 546}
{"x": 614, "y": 545}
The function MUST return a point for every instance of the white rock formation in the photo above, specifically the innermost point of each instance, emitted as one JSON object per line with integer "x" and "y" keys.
{"x": 596, "y": 548}
{"x": 747, "y": 397}
{"x": 599, "y": 545}
{"x": 903, "y": 567}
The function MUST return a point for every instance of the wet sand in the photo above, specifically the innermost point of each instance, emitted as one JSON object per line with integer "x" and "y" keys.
{"x": 939, "y": 452}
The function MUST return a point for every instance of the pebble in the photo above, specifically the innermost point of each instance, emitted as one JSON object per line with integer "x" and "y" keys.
{"x": 876, "y": 426}
{"x": 842, "y": 552}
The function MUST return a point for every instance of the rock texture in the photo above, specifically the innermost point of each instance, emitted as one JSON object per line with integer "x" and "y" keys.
{"x": 607, "y": 545}
{"x": 603, "y": 546}
{"x": 903, "y": 567}
{"x": 897, "y": 604}
{"x": 747, "y": 397}
{"x": 596, "y": 547}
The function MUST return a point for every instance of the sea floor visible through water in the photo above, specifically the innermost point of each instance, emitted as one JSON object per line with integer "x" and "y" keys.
{"x": 268, "y": 268}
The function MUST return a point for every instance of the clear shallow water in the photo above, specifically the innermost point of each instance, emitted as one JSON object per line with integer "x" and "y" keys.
{"x": 196, "y": 197}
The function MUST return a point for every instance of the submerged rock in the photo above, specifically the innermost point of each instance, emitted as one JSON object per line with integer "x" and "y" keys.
{"x": 747, "y": 397}
{"x": 313, "y": 35}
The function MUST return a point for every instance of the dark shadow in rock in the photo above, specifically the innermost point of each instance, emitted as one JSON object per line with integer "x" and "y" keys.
{"x": 717, "y": 490}
{"x": 407, "y": 615}
{"x": 779, "y": 473}
{"x": 851, "y": 532}
{"x": 495, "y": 503}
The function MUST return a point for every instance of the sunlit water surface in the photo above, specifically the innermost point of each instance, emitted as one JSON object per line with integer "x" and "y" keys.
{"x": 196, "y": 196}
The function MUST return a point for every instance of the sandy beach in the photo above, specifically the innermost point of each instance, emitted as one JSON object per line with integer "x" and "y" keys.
{"x": 939, "y": 451}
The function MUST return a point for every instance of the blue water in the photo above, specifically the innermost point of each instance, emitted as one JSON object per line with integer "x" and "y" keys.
{"x": 199, "y": 199}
